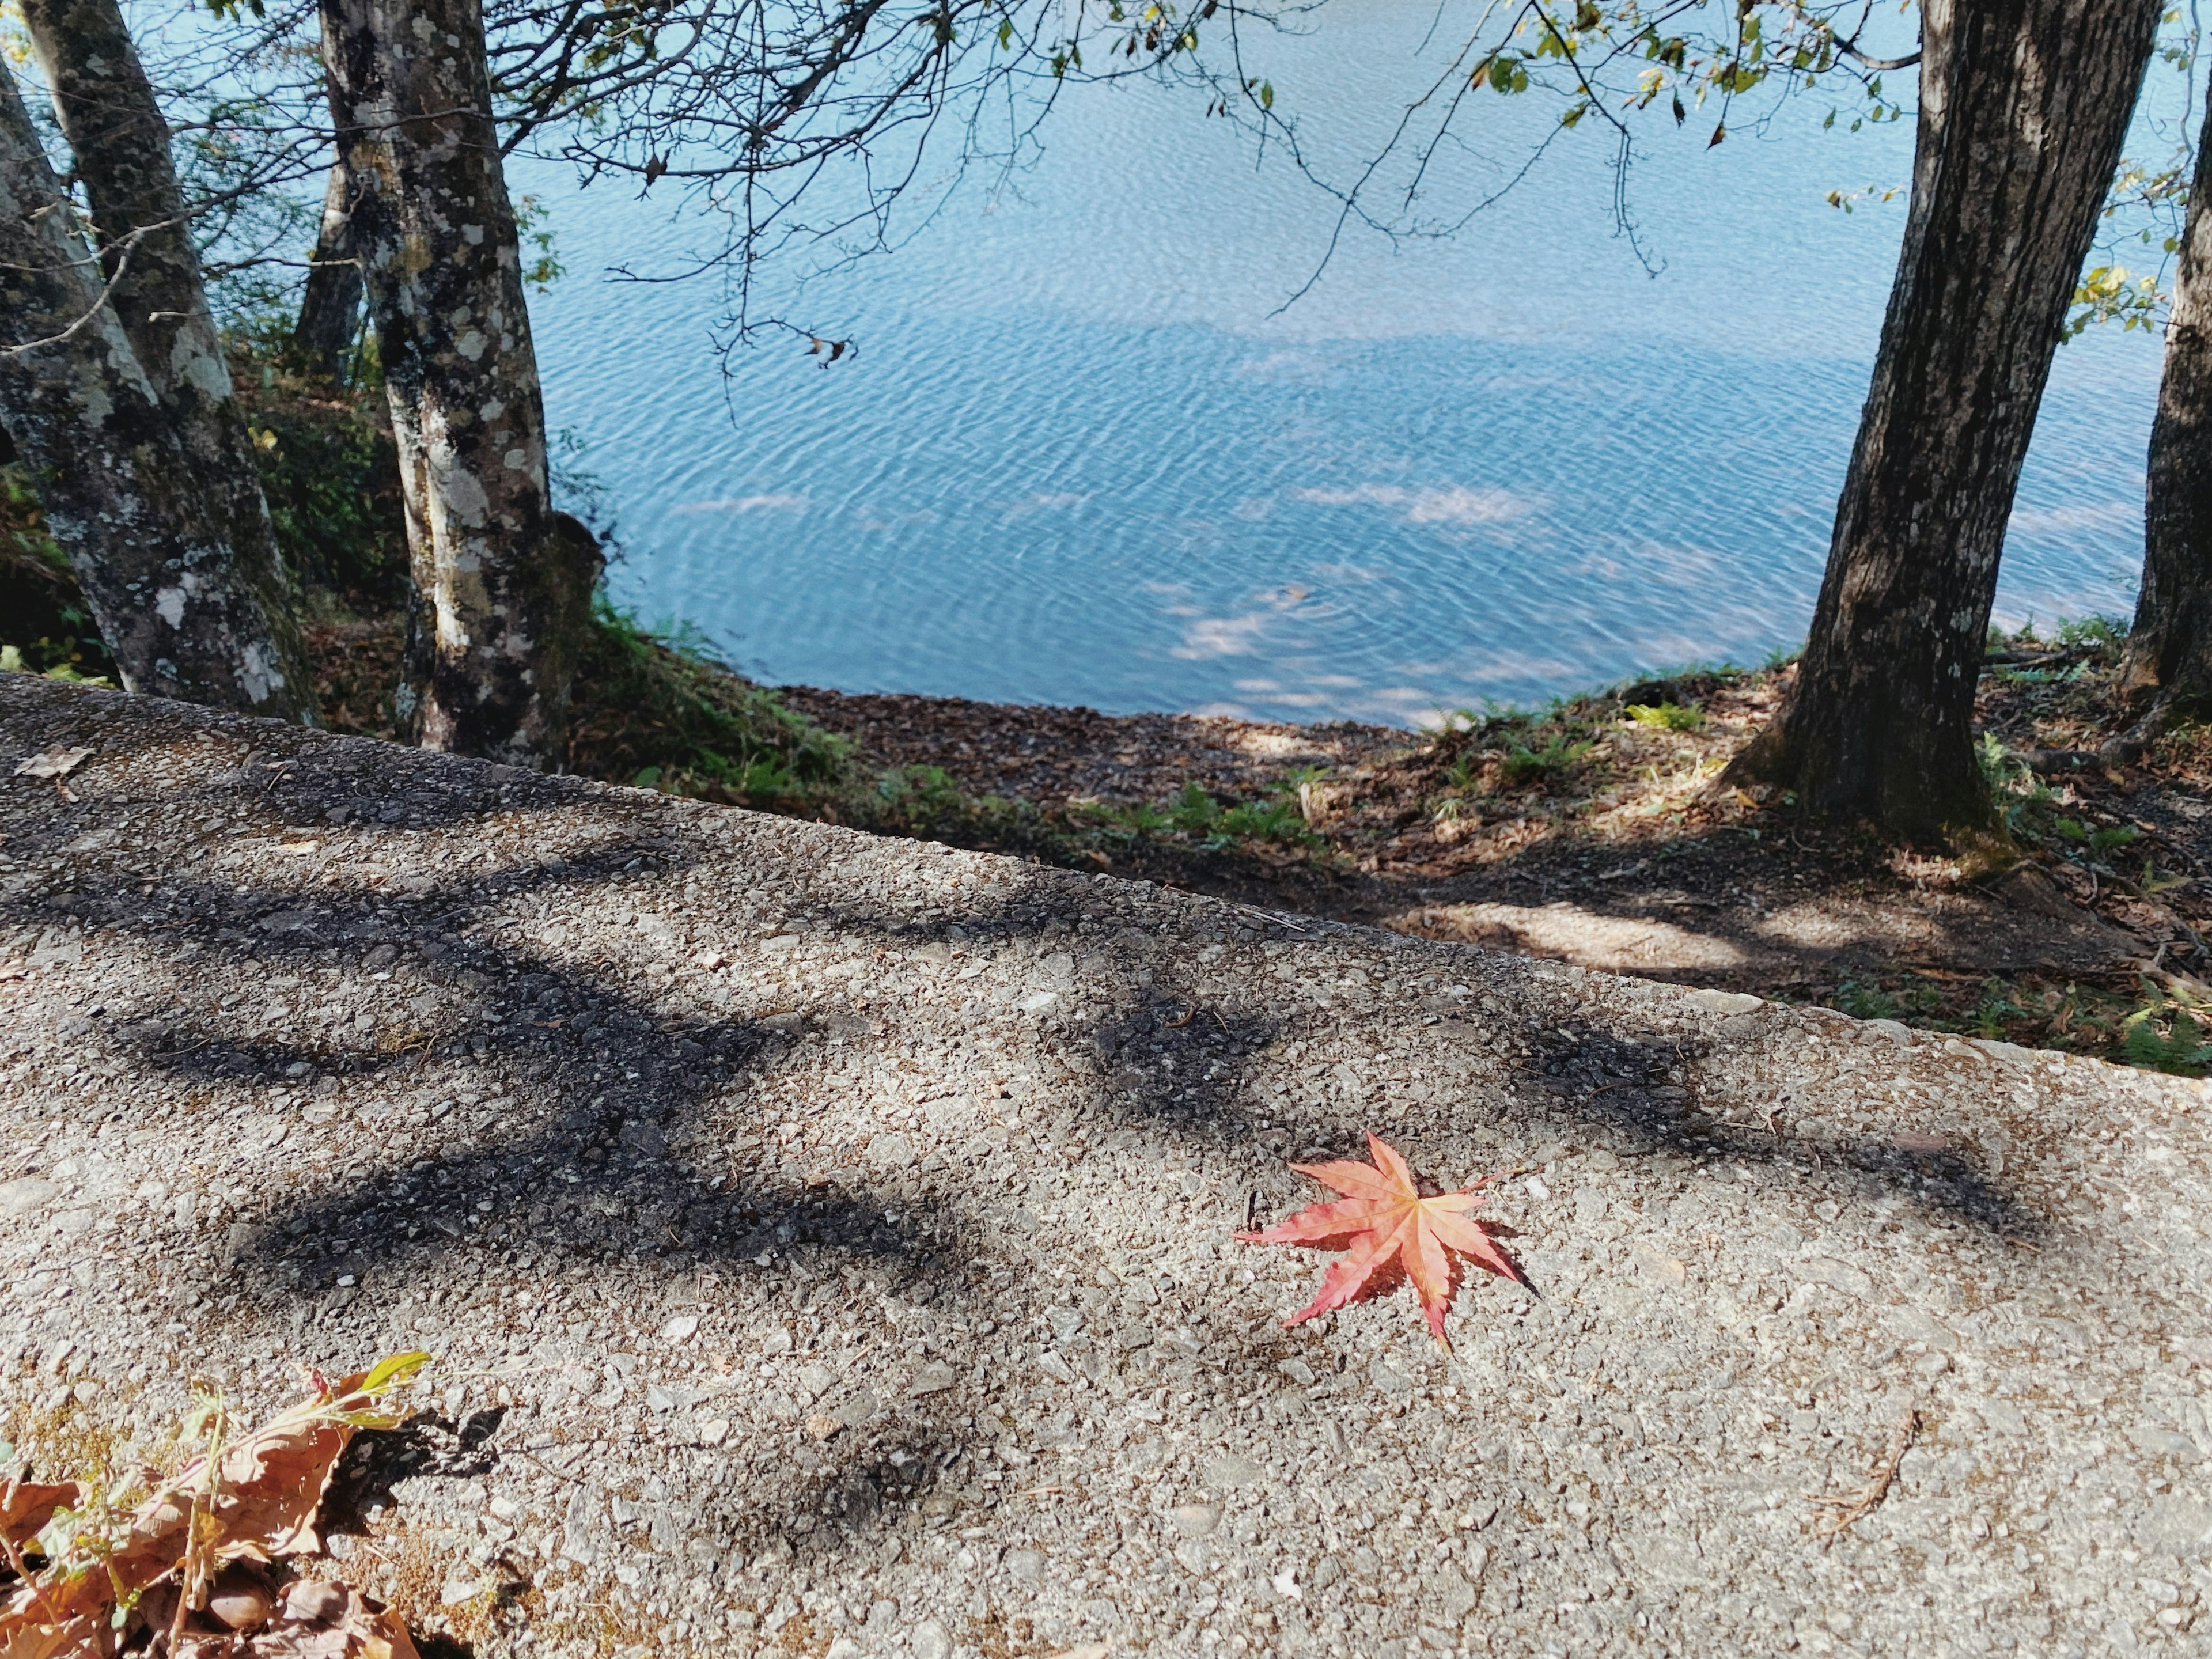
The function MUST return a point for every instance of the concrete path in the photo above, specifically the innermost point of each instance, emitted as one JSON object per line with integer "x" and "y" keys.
{"x": 825, "y": 1242}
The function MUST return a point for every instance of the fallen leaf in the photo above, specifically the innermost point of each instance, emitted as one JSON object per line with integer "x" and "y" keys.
{"x": 1388, "y": 1230}
{"x": 56, "y": 763}
{"x": 25, "y": 1508}
{"x": 31, "y": 1640}
{"x": 823, "y": 1427}
{"x": 324, "y": 1619}
{"x": 253, "y": 1501}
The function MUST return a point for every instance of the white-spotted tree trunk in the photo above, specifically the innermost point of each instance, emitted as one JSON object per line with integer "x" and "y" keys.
{"x": 123, "y": 497}
{"x": 120, "y": 141}
{"x": 502, "y": 582}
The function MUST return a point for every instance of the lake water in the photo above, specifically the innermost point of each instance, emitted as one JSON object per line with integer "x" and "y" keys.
{"x": 1082, "y": 456}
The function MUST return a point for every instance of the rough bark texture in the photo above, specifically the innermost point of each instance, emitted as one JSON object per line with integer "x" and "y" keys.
{"x": 502, "y": 582}
{"x": 121, "y": 495}
{"x": 115, "y": 130}
{"x": 2023, "y": 107}
{"x": 330, "y": 309}
{"x": 2168, "y": 669}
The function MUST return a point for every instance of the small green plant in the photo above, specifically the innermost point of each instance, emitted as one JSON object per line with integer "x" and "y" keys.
{"x": 1998, "y": 1009}
{"x": 2163, "y": 1036}
{"x": 1522, "y": 764}
{"x": 920, "y": 788}
{"x": 1866, "y": 1001}
{"x": 2098, "y": 841}
{"x": 1277, "y": 820}
{"x": 2001, "y": 767}
{"x": 655, "y": 708}
{"x": 2102, "y": 634}
{"x": 1193, "y": 812}
{"x": 1142, "y": 819}
{"x": 1666, "y": 716}
{"x": 2153, "y": 883}
{"x": 1196, "y": 816}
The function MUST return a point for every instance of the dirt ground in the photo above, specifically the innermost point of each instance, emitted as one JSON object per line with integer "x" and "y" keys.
{"x": 1593, "y": 835}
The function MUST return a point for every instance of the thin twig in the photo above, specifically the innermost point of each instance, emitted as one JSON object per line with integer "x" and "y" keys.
{"x": 1842, "y": 1510}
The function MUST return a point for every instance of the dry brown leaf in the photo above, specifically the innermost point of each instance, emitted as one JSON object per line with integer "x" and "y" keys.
{"x": 78, "y": 1638}
{"x": 255, "y": 1501}
{"x": 25, "y": 1508}
{"x": 322, "y": 1618}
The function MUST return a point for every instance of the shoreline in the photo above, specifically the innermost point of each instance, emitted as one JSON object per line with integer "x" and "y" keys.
{"x": 1588, "y": 833}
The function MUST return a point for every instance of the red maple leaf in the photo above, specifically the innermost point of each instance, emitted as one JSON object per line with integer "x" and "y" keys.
{"x": 1389, "y": 1231}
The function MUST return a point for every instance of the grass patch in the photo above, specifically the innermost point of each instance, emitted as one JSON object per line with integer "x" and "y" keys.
{"x": 1521, "y": 764}
{"x": 1195, "y": 818}
{"x": 655, "y": 710}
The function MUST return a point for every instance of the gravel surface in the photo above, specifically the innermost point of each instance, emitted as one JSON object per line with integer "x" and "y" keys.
{"x": 825, "y": 1243}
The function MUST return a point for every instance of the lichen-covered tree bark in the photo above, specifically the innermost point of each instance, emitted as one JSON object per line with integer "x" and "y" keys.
{"x": 330, "y": 308}
{"x": 2024, "y": 105}
{"x": 2167, "y": 670}
{"x": 122, "y": 495}
{"x": 502, "y": 582}
{"x": 120, "y": 141}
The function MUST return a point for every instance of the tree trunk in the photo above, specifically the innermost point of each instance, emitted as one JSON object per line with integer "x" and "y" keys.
{"x": 122, "y": 496}
{"x": 330, "y": 310}
{"x": 502, "y": 582}
{"x": 2167, "y": 672}
{"x": 2024, "y": 105}
{"x": 121, "y": 143}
